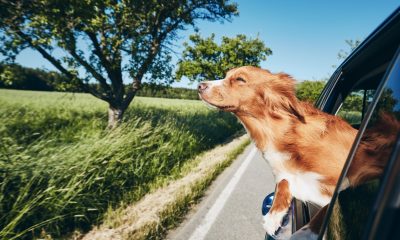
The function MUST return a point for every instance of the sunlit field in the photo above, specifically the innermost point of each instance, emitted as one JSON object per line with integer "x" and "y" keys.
{"x": 60, "y": 169}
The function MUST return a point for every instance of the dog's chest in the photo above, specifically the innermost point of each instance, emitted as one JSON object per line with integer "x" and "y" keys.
{"x": 305, "y": 186}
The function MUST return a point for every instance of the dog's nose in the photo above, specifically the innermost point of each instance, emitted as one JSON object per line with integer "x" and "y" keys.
{"x": 202, "y": 87}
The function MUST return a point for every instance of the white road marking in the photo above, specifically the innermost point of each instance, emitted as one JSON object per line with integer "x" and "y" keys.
{"x": 212, "y": 214}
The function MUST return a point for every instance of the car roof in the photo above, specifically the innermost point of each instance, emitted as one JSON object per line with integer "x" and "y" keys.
{"x": 377, "y": 49}
{"x": 367, "y": 62}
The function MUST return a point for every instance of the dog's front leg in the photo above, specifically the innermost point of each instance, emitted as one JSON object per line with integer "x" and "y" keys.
{"x": 280, "y": 206}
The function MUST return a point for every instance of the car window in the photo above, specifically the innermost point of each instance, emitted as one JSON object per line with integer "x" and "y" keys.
{"x": 353, "y": 94}
{"x": 351, "y": 208}
{"x": 355, "y": 105}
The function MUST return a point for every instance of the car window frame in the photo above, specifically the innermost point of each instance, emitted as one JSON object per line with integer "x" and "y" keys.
{"x": 389, "y": 192}
{"x": 388, "y": 74}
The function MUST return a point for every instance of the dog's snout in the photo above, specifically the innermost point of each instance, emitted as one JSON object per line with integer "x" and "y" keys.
{"x": 202, "y": 87}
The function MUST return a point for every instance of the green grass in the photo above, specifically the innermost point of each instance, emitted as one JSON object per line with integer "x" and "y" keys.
{"x": 61, "y": 171}
{"x": 352, "y": 117}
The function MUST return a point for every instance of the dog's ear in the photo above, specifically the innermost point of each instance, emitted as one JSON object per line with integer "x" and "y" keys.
{"x": 284, "y": 85}
{"x": 292, "y": 106}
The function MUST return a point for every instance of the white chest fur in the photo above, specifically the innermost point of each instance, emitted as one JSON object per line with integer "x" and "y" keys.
{"x": 305, "y": 186}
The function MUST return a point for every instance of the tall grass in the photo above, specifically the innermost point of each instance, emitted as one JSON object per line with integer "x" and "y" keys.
{"x": 352, "y": 117}
{"x": 60, "y": 170}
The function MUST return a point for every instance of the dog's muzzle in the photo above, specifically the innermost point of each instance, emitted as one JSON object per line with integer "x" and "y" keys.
{"x": 202, "y": 87}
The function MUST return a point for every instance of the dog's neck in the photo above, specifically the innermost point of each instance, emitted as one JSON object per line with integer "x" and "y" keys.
{"x": 264, "y": 131}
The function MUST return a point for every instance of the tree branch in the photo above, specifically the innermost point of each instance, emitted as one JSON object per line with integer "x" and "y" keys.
{"x": 45, "y": 54}
{"x": 154, "y": 49}
{"x": 99, "y": 52}
{"x": 71, "y": 48}
{"x": 60, "y": 67}
{"x": 114, "y": 74}
{"x": 137, "y": 78}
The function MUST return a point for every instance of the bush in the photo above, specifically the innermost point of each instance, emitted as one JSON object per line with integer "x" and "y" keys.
{"x": 309, "y": 90}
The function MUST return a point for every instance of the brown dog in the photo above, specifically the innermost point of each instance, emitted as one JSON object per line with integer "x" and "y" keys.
{"x": 305, "y": 147}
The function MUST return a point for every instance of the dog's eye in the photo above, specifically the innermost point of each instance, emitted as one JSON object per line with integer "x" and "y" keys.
{"x": 240, "y": 79}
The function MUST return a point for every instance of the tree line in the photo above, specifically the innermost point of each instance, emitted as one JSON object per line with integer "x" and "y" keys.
{"x": 15, "y": 76}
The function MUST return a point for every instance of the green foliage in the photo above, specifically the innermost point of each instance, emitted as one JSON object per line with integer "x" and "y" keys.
{"x": 15, "y": 76}
{"x": 309, "y": 90}
{"x": 354, "y": 101}
{"x": 387, "y": 101}
{"x": 352, "y": 117}
{"x": 60, "y": 171}
{"x": 205, "y": 59}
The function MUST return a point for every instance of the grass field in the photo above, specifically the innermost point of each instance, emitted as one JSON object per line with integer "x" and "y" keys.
{"x": 60, "y": 170}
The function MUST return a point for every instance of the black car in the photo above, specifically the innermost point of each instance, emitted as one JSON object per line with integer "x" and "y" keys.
{"x": 368, "y": 81}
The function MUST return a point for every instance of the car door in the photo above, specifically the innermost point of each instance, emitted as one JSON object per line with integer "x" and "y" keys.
{"x": 353, "y": 212}
{"x": 358, "y": 76}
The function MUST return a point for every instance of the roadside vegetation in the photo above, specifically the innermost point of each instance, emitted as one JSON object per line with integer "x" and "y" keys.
{"x": 61, "y": 171}
{"x": 165, "y": 208}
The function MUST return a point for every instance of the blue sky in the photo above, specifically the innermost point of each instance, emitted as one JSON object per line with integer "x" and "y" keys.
{"x": 305, "y": 36}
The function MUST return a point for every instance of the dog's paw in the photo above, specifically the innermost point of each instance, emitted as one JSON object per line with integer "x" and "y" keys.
{"x": 304, "y": 233}
{"x": 273, "y": 221}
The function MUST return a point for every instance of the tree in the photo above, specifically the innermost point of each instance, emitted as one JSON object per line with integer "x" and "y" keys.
{"x": 15, "y": 76}
{"x": 309, "y": 90}
{"x": 343, "y": 54}
{"x": 206, "y": 59}
{"x": 352, "y": 44}
{"x": 107, "y": 42}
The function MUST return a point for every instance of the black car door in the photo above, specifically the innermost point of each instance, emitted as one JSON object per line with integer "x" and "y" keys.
{"x": 358, "y": 212}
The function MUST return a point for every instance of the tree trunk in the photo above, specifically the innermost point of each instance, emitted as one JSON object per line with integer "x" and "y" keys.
{"x": 118, "y": 107}
{"x": 115, "y": 115}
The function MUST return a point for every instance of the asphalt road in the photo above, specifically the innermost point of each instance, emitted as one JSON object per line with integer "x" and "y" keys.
{"x": 231, "y": 208}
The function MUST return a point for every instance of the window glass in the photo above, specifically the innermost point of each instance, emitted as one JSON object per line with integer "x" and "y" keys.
{"x": 355, "y": 105}
{"x": 351, "y": 208}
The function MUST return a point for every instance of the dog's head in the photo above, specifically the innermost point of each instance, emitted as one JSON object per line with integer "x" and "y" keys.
{"x": 253, "y": 91}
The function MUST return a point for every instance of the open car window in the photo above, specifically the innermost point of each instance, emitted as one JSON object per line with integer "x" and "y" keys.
{"x": 355, "y": 105}
{"x": 355, "y": 96}
{"x": 350, "y": 208}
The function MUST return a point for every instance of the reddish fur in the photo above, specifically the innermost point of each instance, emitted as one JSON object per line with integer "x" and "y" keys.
{"x": 268, "y": 108}
{"x": 282, "y": 197}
